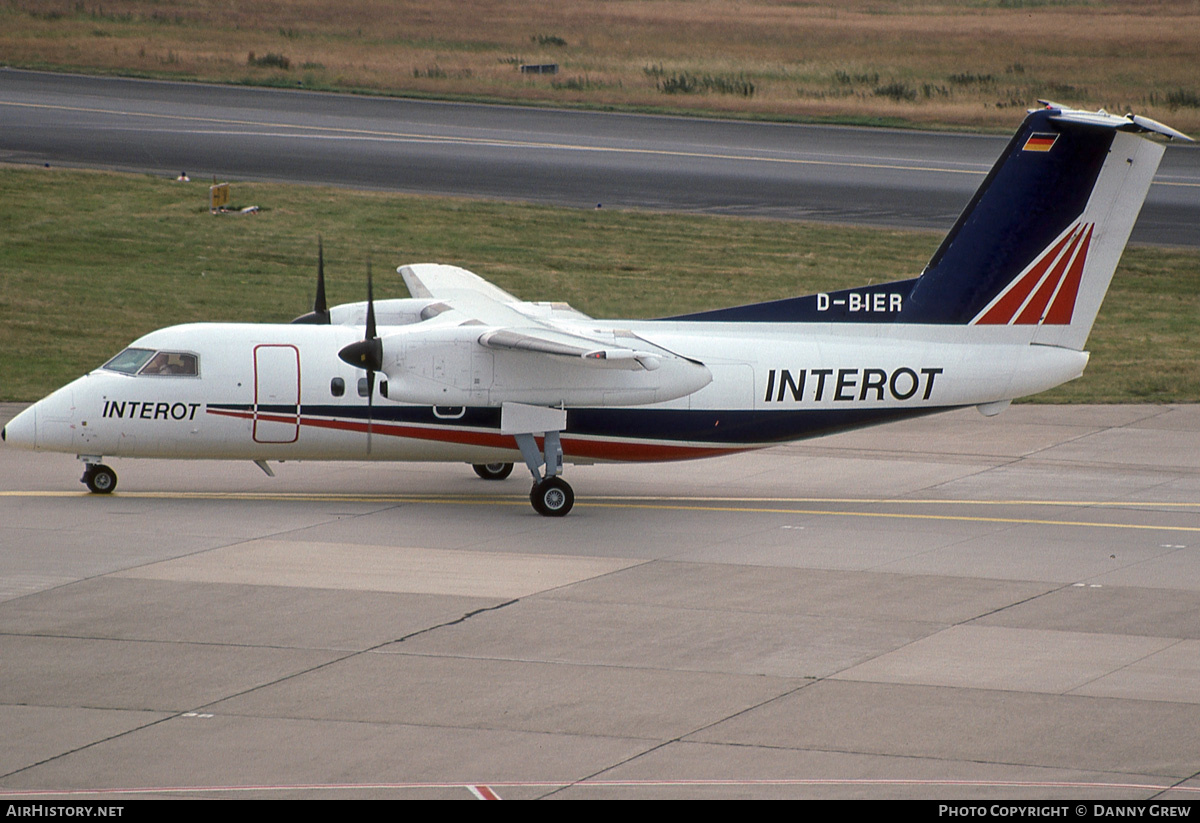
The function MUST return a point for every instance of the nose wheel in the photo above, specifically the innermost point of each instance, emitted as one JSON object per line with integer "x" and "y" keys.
{"x": 99, "y": 479}
{"x": 552, "y": 497}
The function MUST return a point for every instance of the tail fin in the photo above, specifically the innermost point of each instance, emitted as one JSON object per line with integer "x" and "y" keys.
{"x": 1036, "y": 247}
{"x": 1039, "y": 242}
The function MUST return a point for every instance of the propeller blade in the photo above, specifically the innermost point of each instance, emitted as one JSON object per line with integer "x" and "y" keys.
{"x": 370, "y": 407}
{"x": 319, "y": 304}
{"x": 320, "y": 313}
{"x": 376, "y": 355}
{"x": 367, "y": 354}
{"x": 370, "y": 306}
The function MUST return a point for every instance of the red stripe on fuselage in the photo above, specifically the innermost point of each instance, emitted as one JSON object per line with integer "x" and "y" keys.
{"x": 573, "y": 445}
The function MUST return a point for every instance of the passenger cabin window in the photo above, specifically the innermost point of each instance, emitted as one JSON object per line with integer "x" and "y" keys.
{"x": 337, "y": 387}
{"x": 148, "y": 361}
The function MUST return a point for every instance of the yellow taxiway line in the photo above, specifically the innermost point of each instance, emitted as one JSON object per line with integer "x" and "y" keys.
{"x": 744, "y": 505}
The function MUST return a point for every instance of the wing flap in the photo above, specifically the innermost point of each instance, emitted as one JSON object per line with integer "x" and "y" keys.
{"x": 592, "y": 353}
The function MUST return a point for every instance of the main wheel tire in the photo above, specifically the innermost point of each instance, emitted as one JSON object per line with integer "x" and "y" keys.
{"x": 100, "y": 479}
{"x": 493, "y": 471}
{"x": 552, "y": 497}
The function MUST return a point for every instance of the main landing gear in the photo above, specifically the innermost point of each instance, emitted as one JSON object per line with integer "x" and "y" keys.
{"x": 493, "y": 471}
{"x": 551, "y": 496}
{"x": 99, "y": 478}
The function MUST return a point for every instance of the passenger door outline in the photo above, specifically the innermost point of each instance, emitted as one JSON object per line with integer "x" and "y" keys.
{"x": 276, "y": 393}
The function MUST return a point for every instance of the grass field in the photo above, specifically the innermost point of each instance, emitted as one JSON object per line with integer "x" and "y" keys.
{"x": 92, "y": 260}
{"x": 963, "y": 64}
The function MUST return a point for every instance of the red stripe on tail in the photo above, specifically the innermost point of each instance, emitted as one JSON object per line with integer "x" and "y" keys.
{"x": 1002, "y": 312}
{"x": 1031, "y": 315}
{"x": 1056, "y": 289}
{"x": 1064, "y": 305}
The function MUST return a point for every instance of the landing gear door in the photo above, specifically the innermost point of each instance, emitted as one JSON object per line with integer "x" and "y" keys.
{"x": 276, "y": 394}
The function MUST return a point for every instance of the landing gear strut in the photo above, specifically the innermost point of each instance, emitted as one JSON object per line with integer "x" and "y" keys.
{"x": 551, "y": 496}
{"x": 99, "y": 478}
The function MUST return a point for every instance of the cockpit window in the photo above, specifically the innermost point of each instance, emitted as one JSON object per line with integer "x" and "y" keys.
{"x": 148, "y": 361}
{"x": 172, "y": 362}
{"x": 129, "y": 361}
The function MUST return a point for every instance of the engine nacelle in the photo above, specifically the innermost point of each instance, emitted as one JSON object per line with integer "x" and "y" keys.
{"x": 449, "y": 367}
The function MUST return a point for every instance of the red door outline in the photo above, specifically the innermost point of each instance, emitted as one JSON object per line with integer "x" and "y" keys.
{"x": 276, "y": 383}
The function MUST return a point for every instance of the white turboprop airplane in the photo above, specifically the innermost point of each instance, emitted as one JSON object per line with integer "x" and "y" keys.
{"x": 471, "y": 373}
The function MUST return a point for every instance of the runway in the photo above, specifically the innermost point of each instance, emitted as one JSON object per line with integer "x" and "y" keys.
{"x": 874, "y": 177}
{"x": 950, "y": 607}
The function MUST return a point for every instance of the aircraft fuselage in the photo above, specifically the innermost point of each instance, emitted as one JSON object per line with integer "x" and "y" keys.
{"x": 279, "y": 392}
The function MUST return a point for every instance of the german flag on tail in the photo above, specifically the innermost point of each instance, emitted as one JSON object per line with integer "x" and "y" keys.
{"x": 1040, "y": 142}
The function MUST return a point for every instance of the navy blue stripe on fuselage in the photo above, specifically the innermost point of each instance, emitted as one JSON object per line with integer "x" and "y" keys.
{"x": 881, "y": 303}
{"x": 717, "y": 428}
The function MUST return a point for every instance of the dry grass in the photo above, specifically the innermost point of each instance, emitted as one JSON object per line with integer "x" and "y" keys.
{"x": 921, "y": 62}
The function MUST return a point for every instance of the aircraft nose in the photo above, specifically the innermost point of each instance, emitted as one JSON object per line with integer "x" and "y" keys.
{"x": 21, "y": 431}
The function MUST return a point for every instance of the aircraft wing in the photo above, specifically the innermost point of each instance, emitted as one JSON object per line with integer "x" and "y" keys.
{"x": 543, "y": 355}
{"x": 517, "y": 326}
{"x": 449, "y": 282}
{"x": 472, "y": 295}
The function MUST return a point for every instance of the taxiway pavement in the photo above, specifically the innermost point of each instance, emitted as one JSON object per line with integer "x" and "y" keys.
{"x": 948, "y": 607}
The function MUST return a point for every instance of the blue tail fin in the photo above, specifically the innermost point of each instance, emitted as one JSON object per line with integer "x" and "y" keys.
{"x": 1037, "y": 189}
{"x": 1035, "y": 247}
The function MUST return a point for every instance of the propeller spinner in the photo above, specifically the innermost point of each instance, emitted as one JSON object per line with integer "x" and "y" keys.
{"x": 368, "y": 352}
